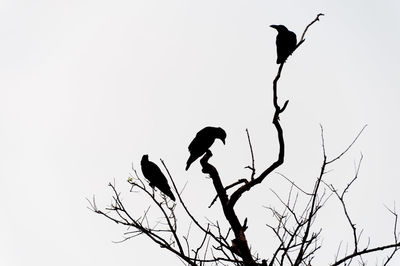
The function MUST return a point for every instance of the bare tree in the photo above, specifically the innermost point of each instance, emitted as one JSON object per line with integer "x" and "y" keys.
{"x": 298, "y": 240}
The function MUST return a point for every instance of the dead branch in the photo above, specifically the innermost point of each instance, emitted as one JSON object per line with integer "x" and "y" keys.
{"x": 275, "y": 121}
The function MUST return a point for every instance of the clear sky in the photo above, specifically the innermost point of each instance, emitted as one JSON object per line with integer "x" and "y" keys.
{"x": 88, "y": 87}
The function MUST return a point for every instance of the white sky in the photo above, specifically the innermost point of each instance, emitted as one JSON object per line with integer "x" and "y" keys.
{"x": 88, "y": 87}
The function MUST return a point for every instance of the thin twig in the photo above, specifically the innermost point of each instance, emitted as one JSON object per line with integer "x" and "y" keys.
{"x": 351, "y": 144}
{"x": 253, "y": 169}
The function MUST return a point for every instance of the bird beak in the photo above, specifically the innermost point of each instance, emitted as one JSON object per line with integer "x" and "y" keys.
{"x": 223, "y": 141}
{"x": 273, "y": 26}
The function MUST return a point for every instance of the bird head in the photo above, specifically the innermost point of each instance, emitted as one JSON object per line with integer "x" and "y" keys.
{"x": 279, "y": 28}
{"x": 221, "y": 134}
{"x": 145, "y": 158}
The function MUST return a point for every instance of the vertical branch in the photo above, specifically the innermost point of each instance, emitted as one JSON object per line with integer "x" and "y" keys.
{"x": 281, "y": 155}
{"x": 252, "y": 167}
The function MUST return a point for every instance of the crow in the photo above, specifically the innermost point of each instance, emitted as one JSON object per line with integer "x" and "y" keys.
{"x": 203, "y": 141}
{"x": 156, "y": 178}
{"x": 285, "y": 43}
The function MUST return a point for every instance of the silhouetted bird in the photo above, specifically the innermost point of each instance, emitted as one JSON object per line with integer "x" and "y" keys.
{"x": 157, "y": 179}
{"x": 203, "y": 141}
{"x": 285, "y": 43}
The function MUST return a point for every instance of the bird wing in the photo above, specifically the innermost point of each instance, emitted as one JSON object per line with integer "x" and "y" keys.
{"x": 292, "y": 41}
{"x": 281, "y": 48}
{"x": 200, "y": 144}
{"x": 157, "y": 176}
{"x": 148, "y": 172}
{"x": 153, "y": 173}
{"x": 285, "y": 43}
{"x": 203, "y": 140}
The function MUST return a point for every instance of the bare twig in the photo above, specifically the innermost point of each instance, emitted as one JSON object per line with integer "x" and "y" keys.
{"x": 309, "y": 25}
{"x": 294, "y": 184}
{"x": 351, "y": 144}
{"x": 344, "y": 206}
{"x": 252, "y": 168}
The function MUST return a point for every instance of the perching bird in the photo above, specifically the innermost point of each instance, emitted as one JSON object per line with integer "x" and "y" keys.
{"x": 285, "y": 43}
{"x": 157, "y": 179}
{"x": 203, "y": 141}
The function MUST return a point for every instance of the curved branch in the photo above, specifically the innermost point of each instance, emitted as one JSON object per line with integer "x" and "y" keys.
{"x": 309, "y": 25}
{"x": 365, "y": 251}
{"x": 275, "y": 121}
{"x": 348, "y": 147}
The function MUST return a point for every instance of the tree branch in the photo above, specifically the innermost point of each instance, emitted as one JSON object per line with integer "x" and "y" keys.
{"x": 239, "y": 244}
{"x": 275, "y": 121}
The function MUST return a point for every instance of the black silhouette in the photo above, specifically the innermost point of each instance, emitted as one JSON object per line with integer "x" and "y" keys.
{"x": 294, "y": 231}
{"x": 203, "y": 141}
{"x": 157, "y": 179}
{"x": 285, "y": 43}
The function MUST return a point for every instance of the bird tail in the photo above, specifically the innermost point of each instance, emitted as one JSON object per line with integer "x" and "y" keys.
{"x": 189, "y": 162}
{"x": 167, "y": 191}
{"x": 170, "y": 195}
{"x": 281, "y": 60}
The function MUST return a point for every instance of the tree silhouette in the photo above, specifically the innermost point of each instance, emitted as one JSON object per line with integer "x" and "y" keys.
{"x": 298, "y": 240}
